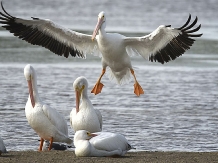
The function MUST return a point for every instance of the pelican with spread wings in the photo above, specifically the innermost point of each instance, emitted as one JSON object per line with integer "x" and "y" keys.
{"x": 162, "y": 45}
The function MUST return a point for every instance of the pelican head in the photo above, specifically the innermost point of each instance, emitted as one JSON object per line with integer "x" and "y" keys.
{"x": 80, "y": 86}
{"x": 101, "y": 20}
{"x": 28, "y": 73}
{"x": 83, "y": 135}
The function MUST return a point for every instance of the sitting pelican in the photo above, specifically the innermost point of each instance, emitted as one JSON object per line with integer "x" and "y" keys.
{"x": 84, "y": 116}
{"x": 45, "y": 121}
{"x": 162, "y": 45}
{"x": 100, "y": 144}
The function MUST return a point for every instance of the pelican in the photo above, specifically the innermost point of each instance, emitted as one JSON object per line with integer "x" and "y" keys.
{"x": 2, "y": 147}
{"x": 162, "y": 45}
{"x": 45, "y": 121}
{"x": 84, "y": 116}
{"x": 100, "y": 144}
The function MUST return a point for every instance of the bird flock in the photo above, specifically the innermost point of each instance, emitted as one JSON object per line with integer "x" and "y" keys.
{"x": 162, "y": 45}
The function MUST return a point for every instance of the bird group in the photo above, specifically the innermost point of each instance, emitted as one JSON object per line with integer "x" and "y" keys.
{"x": 162, "y": 45}
{"x": 84, "y": 119}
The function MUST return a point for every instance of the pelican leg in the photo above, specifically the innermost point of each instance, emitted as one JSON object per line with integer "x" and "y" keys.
{"x": 137, "y": 88}
{"x": 98, "y": 86}
{"x": 41, "y": 144}
{"x": 50, "y": 145}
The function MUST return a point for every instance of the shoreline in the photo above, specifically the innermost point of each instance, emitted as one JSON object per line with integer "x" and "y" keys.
{"x": 143, "y": 156}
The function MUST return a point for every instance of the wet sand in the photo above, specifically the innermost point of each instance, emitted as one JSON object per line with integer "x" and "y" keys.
{"x": 69, "y": 156}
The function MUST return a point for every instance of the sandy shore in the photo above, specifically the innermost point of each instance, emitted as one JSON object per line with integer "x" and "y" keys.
{"x": 69, "y": 156}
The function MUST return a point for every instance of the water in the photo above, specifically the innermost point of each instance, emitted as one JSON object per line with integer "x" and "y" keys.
{"x": 179, "y": 110}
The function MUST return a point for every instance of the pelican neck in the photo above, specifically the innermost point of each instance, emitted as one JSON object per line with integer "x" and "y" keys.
{"x": 102, "y": 31}
{"x": 34, "y": 86}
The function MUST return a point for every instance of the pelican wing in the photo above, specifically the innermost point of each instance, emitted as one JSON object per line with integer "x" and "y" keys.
{"x": 109, "y": 141}
{"x": 98, "y": 113}
{"x": 56, "y": 119}
{"x": 163, "y": 44}
{"x": 46, "y": 33}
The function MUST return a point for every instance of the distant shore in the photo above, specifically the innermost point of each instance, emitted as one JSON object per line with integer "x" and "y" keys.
{"x": 143, "y": 157}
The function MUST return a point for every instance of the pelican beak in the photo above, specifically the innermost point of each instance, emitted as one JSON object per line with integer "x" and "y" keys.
{"x": 78, "y": 96}
{"x": 91, "y": 135}
{"x": 98, "y": 26}
{"x": 31, "y": 92}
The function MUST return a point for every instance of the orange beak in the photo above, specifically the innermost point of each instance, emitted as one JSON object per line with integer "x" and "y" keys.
{"x": 91, "y": 135}
{"x": 78, "y": 94}
{"x": 31, "y": 92}
{"x": 98, "y": 26}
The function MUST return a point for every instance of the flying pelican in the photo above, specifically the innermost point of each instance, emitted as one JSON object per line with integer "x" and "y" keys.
{"x": 84, "y": 116}
{"x": 46, "y": 121}
{"x": 100, "y": 144}
{"x": 162, "y": 45}
{"x": 2, "y": 147}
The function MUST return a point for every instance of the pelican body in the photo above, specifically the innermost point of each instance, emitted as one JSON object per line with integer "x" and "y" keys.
{"x": 100, "y": 144}
{"x": 84, "y": 116}
{"x": 162, "y": 45}
{"x": 45, "y": 121}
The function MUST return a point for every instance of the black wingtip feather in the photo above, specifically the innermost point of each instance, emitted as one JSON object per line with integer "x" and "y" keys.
{"x": 34, "y": 36}
{"x": 190, "y": 26}
{"x": 179, "y": 44}
{"x": 187, "y": 22}
{"x": 5, "y": 10}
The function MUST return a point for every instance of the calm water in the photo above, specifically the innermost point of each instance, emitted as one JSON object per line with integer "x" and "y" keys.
{"x": 179, "y": 110}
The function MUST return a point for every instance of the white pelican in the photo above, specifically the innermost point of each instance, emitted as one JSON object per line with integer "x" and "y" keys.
{"x": 2, "y": 147}
{"x": 84, "y": 116}
{"x": 162, "y": 45}
{"x": 46, "y": 121}
{"x": 100, "y": 144}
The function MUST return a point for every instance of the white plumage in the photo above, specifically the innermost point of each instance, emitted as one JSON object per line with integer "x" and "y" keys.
{"x": 162, "y": 45}
{"x": 84, "y": 116}
{"x": 100, "y": 144}
{"x": 45, "y": 121}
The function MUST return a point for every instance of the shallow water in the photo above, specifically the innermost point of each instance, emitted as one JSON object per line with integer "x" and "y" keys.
{"x": 178, "y": 111}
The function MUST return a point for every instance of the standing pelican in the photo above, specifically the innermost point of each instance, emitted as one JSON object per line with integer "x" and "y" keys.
{"x": 162, "y": 45}
{"x": 100, "y": 144}
{"x": 47, "y": 122}
{"x": 84, "y": 116}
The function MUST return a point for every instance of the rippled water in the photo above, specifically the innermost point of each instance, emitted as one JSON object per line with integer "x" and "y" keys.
{"x": 178, "y": 112}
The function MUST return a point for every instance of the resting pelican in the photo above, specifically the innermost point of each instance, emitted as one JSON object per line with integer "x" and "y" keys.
{"x": 84, "y": 116}
{"x": 47, "y": 122}
{"x": 100, "y": 144}
{"x": 162, "y": 45}
{"x": 2, "y": 147}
